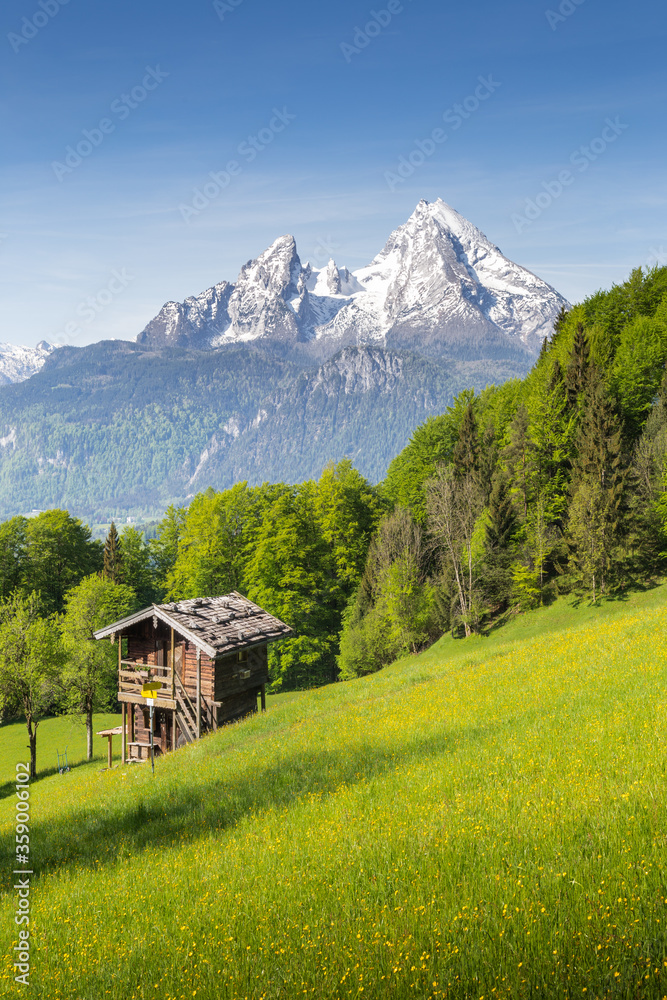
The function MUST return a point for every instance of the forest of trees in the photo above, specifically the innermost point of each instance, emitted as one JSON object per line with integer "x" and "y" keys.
{"x": 556, "y": 483}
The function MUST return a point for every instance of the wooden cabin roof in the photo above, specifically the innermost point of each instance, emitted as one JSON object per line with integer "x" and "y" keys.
{"x": 217, "y": 625}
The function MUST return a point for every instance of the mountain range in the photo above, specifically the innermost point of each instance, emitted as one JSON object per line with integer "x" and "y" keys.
{"x": 439, "y": 287}
{"x": 19, "y": 363}
{"x": 271, "y": 376}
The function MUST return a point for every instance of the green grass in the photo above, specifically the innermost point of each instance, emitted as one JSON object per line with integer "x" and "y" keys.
{"x": 485, "y": 820}
{"x": 53, "y": 735}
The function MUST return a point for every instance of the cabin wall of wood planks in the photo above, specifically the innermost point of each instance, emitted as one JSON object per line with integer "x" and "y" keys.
{"x": 230, "y": 685}
{"x": 162, "y": 735}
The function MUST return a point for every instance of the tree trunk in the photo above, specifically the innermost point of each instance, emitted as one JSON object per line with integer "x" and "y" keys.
{"x": 89, "y": 732}
{"x": 462, "y": 601}
{"x": 32, "y": 738}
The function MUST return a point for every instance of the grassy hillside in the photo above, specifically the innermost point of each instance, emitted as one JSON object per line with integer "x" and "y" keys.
{"x": 485, "y": 820}
{"x": 53, "y": 736}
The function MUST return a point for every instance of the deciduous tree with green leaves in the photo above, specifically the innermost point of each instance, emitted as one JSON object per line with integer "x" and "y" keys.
{"x": 60, "y": 553}
{"x": 137, "y": 570}
{"x": 395, "y": 609}
{"x": 13, "y": 555}
{"x": 31, "y": 659}
{"x": 289, "y": 575}
{"x": 91, "y": 671}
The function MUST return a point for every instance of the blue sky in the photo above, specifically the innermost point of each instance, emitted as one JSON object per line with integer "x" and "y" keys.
{"x": 172, "y": 92}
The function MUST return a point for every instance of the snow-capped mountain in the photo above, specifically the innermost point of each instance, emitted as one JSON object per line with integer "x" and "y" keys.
{"x": 439, "y": 287}
{"x": 18, "y": 363}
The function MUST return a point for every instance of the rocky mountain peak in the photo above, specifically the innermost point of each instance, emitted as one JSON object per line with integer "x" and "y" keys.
{"x": 18, "y": 363}
{"x": 276, "y": 271}
{"x": 439, "y": 287}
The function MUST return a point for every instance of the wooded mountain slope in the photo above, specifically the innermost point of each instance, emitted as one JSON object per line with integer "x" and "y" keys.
{"x": 115, "y": 429}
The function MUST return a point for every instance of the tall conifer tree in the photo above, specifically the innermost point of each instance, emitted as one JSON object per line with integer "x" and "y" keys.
{"x": 465, "y": 458}
{"x": 113, "y": 556}
{"x": 576, "y": 375}
{"x": 500, "y": 528}
{"x": 519, "y": 457}
{"x": 488, "y": 459}
{"x": 600, "y": 473}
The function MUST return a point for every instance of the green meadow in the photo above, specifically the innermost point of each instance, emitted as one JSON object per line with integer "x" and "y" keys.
{"x": 63, "y": 735}
{"x": 485, "y": 820}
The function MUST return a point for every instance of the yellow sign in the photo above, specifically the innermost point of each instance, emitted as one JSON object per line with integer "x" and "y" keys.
{"x": 150, "y": 690}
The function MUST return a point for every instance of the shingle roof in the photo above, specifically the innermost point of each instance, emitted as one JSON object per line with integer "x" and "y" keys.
{"x": 218, "y": 625}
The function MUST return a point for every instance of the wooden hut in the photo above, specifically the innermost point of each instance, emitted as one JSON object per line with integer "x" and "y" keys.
{"x": 210, "y": 656}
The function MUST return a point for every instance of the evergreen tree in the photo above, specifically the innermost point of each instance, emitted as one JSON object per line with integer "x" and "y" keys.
{"x": 559, "y": 324}
{"x": 488, "y": 459}
{"x": 465, "y": 458}
{"x": 501, "y": 525}
{"x": 431, "y": 445}
{"x": 589, "y": 533}
{"x": 552, "y": 433}
{"x": 577, "y": 369}
{"x": 599, "y": 444}
{"x": 113, "y": 556}
{"x": 520, "y": 458}
{"x": 556, "y": 379}
{"x": 598, "y": 485}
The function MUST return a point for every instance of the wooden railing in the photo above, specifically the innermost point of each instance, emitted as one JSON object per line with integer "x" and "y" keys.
{"x": 132, "y": 676}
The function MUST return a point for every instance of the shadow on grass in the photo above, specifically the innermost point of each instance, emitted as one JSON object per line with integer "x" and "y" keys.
{"x": 184, "y": 807}
{"x": 9, "y": 787}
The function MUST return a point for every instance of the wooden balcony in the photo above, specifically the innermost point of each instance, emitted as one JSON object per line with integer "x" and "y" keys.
{"x": 132, "y": 676}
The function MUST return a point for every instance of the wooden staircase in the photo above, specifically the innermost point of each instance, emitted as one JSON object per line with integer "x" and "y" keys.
{"x": 186, "y": 713}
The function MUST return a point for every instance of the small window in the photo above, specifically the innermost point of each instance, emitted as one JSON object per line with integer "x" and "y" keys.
{"x": 242, "y": 656}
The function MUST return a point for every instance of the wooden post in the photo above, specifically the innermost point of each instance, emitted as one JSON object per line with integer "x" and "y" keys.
{"x": 198, "y": 693}
{"x": 123, "y": 749}
{"x": 171, "y": 664}
{"x": 173, "y": 730}
{"x": 110, "y": 753}
{"x": 263, "y": 694}
{"x": 131, "y": 723}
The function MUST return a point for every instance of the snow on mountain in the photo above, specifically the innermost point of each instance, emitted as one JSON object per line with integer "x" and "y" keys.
{"x": 18, "y": 363}
{"x": 191, "y": 323}
{"x": 438, "y": 287}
